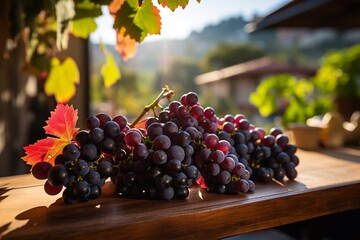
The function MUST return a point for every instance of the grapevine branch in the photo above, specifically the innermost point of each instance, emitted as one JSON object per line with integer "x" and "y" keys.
{"x": 165, "y": 93}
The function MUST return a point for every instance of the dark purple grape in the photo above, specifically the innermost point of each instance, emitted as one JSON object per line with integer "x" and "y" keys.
{"x": 71, "y": 152}
{"x": 154, "y": 130}
{"x": 224, "y": 177}
{"x": 111, "y": 129}
{"x": 173, "y": 167}
{"x": 163, "y": 181}
{"x": 81, "y": 167}
{"x": 217, "y": 156}
{"x": 58, "y": 175}
{"x": 82, "y": 138}
{"x": 81, "y": 189}
{"x": 167, "y": 193}
{"x": 159, "y": 157}
{"x": 105, "y": 169}
{"x": 170, "y": 128}
{"x": 141, "y": 151}
{"x": 121, "y": 121}
{"x": 40, "y": 170}
{"x": 103, "y": 118}
{"x": 164, "y": 116}
{"x": 191, "y": 99}
{"x": 242, "y": 185}
{"x": 133, "y": 137}
{"x": 92, "y": 122}
{"x": 89, "y": 152}
{"x": 282, "y": 140}
{"x": 181, "y": 193}
{"x": 175, "y": 152}
{"x": 161, "y": 142}
{"x": 96, "y": 135}
{"x": 51, "y": 189}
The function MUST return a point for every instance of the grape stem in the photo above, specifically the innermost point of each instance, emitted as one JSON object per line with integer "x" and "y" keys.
{"x": 165, "y": 93}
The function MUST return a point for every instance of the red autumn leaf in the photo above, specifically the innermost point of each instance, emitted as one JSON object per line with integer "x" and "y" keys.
{"x": 61, "y": 126}
{"x": 62, "y": 122}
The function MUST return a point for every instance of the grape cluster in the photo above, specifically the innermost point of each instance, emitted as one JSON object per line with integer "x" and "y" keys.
{"x": 159, "y": 165}
{"x": 183, "y": 144}
{"x": 265, "y": 156}
{"x": 85, "y": 164}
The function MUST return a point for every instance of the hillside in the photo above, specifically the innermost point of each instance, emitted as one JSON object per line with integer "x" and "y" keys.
{"x": 158, "y": 54}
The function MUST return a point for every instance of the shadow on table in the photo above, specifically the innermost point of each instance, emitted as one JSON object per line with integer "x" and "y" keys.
{"x": 349, "y": 154}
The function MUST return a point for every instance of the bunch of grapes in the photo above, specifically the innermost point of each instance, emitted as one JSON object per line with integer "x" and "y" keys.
{"x": 159, "y": 164}
{"x": 85, "y": 164}
{"x": 183, "y": 144}
{"x": 265, "y": 156}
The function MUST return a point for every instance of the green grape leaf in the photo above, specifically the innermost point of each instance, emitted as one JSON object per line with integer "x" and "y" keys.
{"x": 62, "y": 79}
{"x": 125, "y": 19}
{"x": 110, "y": 71}
{"x": 83, "y": 27}
{"x": 174, "y": 4}
{"x": 87, "y": 9}
{"x": 148, "y": 17}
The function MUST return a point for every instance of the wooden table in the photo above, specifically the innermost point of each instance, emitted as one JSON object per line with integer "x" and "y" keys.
{"x": 328, "y": 182}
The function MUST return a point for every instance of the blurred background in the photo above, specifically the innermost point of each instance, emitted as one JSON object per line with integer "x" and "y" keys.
{"x": 274, "y": 61}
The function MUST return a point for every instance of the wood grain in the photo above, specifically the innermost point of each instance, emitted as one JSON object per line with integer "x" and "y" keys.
{"x": 328, "y": 182}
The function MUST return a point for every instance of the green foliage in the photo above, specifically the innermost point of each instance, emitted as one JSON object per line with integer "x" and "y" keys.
{"x": 227, "y": 54}
{"x": 340, "y": 73}
{"x": 296, "y": 100}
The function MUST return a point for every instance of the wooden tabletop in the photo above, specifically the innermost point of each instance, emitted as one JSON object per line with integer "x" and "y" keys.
{"x": 328, "y": 182}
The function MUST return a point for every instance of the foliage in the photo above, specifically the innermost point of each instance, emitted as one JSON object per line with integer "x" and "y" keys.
{"x": 227, "y": 54}
{"x": 340, "y": 72}
{"x": 45, "y": 25}
{"x": 61, "y": 130}
{"x": 296, "y": 100}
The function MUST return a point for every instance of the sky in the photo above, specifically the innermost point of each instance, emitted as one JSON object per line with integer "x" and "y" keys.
{"x": 180, "y": 23}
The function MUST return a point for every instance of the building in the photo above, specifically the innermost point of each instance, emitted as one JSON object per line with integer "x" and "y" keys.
{"x": 239, "y": 81}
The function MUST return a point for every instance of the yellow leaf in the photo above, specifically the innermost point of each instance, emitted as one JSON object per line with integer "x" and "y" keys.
{"x": 62, "y": 79}
{"x": 83, "y": 27}
{"x": 110, "y": 71}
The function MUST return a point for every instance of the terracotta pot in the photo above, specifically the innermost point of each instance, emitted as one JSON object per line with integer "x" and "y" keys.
{"x": 304, "y": 136}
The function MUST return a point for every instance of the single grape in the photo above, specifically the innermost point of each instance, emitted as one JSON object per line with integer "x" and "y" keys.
{"x": 105, "y": 169}
{"x": 111, "y": 129}
{"x": 167, "y": 193}
{"x": 96, "y": 135}
{"x": 40, "y": 170}
{"x": 81, "y": 167}
{"x": 224, "y": 177}
{"x": 51, "y": 189}
{"x": 211, "y": 141}
{"x": 89, "y": 152}
{"x": 282, "y": 140}
{"x": 71, "y": 152}
{"x": 191, "y": 99}
{"x": 121, "y": 121}
{"x": 175, "y": 152}
{"x": 242, "y": 185}
{"x": 92, "y": 122}
{"x": 161, "y": 142}
{"x": 154, "y": 130}
{"x": 58, "y": 175}
{"x": 82, "y": 138}
{"x": 133, "y": 137}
